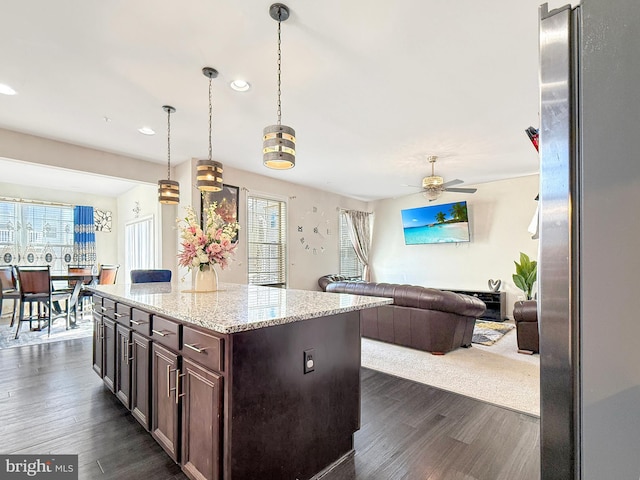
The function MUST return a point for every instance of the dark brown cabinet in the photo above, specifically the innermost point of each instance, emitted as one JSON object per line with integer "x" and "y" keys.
{"x": 123, "y": 364}
{"x": 140, "y": 367}
{"x": 97, "y": 343}
{"x": 171, "y": 374}
{"x": 496, "y": 303}
{"x": 201, "y": 416}
{"x": 165, "y": 399}
{"x": 109, "y": 353}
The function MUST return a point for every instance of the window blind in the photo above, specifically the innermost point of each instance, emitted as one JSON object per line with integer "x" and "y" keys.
{"x": 36, "y": 234}
{"x": 139, "y": 251}
{"x": 350, "y": 266}
{"x": 267, "y": 241}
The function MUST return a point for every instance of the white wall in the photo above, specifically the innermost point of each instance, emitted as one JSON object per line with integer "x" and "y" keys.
{"x": 38, "y": 150}
{"x": 499, "y": 214}
{"x": 304, "y": 267}
{"x": 145, "y": 198}
{"x": 106, "y": 242}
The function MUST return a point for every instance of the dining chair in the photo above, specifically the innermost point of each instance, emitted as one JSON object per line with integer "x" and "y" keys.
{"x": 35, "y": 287}
{"x": 9, "y": 289}
{"x": 107, "y": 274}
{"x": 147, "y": 276}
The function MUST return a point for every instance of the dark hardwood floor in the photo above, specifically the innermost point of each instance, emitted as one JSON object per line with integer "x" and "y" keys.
{"x": 51, "y": 401}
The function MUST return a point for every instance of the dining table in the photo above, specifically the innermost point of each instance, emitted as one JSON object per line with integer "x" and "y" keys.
{"x": 79, "y": 280}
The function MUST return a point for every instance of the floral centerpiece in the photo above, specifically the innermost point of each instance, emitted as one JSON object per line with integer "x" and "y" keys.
{"x": 204, "y": 248}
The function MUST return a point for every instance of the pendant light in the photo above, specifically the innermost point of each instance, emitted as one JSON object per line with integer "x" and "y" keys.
{"x": 209, "y": 172}
{"x": 279, "y": 141}
{"x": 168, "y": 190}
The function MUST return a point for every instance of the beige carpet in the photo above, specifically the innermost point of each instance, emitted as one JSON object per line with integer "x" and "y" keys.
{"x": 497, "y": 374}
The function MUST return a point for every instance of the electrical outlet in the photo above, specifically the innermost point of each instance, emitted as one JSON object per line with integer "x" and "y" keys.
{"x": 309, "y": 360}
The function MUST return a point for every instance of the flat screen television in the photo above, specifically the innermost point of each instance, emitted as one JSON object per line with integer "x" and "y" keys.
{"x": 446, "y": 223}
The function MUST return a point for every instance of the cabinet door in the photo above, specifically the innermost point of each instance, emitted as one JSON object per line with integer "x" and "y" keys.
{"x": 123, "y": 364}
{"x": 165, "y": 407}
{"x": 140, "y": 353}
{"x": 97, "y": 343}
{"x": 109, "y": 353}
{"x": 201, "y": 410}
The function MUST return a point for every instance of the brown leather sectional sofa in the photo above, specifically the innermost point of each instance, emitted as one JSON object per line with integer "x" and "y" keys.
{"x": 525, "y": 315}
{"x": 423, "y": 318}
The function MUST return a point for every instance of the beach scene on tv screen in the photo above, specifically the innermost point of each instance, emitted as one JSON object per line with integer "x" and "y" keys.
{"x": 444, "y": 223}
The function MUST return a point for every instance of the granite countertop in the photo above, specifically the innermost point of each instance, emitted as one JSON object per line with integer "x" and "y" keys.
{"x": 235, "y": 308}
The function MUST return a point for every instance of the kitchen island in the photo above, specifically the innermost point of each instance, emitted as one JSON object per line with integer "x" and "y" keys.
{"x": 244, "y": 383}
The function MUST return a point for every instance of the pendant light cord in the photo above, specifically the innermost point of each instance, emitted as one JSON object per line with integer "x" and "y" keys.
{"x": 168, "y": 144}
{"x": 210, "y": 117}
{"x": 279, "y": 69}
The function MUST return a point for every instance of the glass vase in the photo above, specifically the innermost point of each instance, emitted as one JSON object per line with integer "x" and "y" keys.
{"x": 206, "y": 279}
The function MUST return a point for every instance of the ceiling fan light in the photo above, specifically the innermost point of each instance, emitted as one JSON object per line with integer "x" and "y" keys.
{"x": 432, "y": 181}
{"x": 432, "y": 193}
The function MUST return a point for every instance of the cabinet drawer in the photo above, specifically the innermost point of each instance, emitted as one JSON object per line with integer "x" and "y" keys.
{"x": 165, "y": 332}
{"x": 205, "y": 349}
{"x": 122, "y": 313}
{"x": 108, "y": 308}
{"x": 141, "y": 322}
{"x": 97, "y": 303}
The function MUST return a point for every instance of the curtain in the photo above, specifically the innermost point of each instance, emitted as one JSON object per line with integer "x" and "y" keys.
{"x": 359, "y": 224}
{"x": 84, "y": 236}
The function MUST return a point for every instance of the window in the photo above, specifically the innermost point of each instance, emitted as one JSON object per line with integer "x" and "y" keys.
{"x": 36, "y": 234}
{"x": 350, "y": 266}
{"x": 140, "y": 250}
{"x": 267, "y": 241}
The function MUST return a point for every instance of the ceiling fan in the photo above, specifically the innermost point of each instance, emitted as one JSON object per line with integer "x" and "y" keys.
{"x": 434, "y": 185}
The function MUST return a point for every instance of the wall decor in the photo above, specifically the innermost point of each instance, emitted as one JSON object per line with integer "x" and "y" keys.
{"x": 314, "y": 229}
{"x": 227, "y": 204}
{"x": 494, "y": 285}
{"x": 102, "y": 220}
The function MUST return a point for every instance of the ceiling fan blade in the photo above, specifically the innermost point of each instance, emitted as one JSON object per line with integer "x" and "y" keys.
{"x": 462, "y": 190}
{"x": 451, "y": 183}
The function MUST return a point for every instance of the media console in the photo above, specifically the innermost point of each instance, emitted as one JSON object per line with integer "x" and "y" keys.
{"x": 495, "y": 302}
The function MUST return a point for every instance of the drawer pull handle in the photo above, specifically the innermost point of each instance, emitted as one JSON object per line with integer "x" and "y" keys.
{"x": 135, "y": 322}
{"x": 104, "y": 309}
{"x": 195, "y": 348}
{"x": 162, "y": 333}
{"x": 118, "y": 315}
{"x": 178, "y": 394}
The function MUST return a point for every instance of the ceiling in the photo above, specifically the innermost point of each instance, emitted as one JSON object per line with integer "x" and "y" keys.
{"x": 372, "y": 88}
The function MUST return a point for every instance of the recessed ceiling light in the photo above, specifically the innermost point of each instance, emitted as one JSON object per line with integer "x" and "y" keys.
{"x": 147, "y": 131}
{"x": 240, "y": 85}
{"x": 6, "y": 89}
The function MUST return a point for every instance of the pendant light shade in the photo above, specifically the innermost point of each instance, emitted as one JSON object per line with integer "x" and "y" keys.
{"x": 279, "y": 147}
{"x": 279, "y": 141}
{"x": 209, "y": 172}
{"x": 168, "y": 190}
{"x": 209, "y": 175}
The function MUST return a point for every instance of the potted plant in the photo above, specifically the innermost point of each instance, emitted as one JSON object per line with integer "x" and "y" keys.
{"x": 526, "y": 274}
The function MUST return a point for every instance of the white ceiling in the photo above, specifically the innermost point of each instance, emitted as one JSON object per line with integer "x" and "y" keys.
{"x": 371, "y": 87}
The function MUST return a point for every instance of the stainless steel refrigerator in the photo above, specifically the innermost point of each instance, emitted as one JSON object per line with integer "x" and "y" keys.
{"x": 589, "y": 257}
